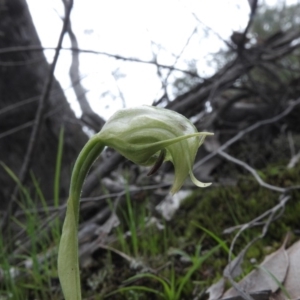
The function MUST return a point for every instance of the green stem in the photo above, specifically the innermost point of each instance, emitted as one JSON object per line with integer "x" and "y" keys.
{"x": 68, "y": 264}
{"x": 86, "y": 158}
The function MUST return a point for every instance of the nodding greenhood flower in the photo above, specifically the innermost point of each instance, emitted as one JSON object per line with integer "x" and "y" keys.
{"x": 147, "y": 136}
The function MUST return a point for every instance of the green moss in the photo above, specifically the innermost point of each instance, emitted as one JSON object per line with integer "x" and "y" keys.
{"x": 218, "y": 208}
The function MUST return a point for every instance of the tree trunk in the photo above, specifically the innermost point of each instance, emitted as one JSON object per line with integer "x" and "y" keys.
{"x": 22, "y": 78}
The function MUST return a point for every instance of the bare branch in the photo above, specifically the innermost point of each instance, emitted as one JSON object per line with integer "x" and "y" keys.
{"x": 89, "y": 117}
{"x": 252, "y": 171}
{"x": 116, "y": 56}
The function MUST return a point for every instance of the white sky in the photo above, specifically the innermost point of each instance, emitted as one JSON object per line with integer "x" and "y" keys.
{"x": 127, "y": 28}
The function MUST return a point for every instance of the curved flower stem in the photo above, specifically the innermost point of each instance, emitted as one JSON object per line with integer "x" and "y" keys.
{"x": 68, "y": 265}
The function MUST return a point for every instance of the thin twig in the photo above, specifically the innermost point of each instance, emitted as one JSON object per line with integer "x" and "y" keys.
{"x": 294, "y": 160}
{"x": 16, "y": 105}
{"x": 30, "y": 123}
{"x": 20, "y": 63}
{"x": 116, "y": 56}
{"x": 180, "y": 54}
{"x": 213, "y": 31}
{"x": 54, "y": 93}
{"x": 131, "y": 189}
{"x": 16, "y": 129}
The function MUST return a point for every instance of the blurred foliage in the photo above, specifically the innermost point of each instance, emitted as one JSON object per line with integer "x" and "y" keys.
{"x": 271, "y": 19}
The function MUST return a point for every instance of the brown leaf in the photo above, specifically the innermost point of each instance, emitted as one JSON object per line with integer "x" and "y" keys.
{"x": 234, "y": 269}
{"x": 292, "y": 280}
{"x": 216, "y": 290}
{"x": 259, "y": 279}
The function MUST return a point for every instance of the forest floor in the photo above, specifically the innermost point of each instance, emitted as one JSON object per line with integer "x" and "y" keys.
{"x": 151, "y": 258}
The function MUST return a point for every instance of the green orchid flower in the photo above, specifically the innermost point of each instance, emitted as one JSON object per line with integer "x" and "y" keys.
{"x": 147, "y": 136}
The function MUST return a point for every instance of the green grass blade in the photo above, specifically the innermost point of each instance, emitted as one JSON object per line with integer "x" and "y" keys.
{"x": 58, "y": 167}
{"x": 165, "y": 285}
{"x": 137, "y": 288}
{"x": 39, "y": 192}
{"x": 215, "y": 237}
{"x": 194, "y": 268}
{"x": 279, "y": 284}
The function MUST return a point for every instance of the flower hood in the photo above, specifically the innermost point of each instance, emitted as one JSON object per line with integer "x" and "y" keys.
{"x": 149, "y": 135}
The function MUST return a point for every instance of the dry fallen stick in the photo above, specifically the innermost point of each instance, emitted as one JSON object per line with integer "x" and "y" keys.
{"x": 239, "y": 135}
{"x": 252, "y": 171}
